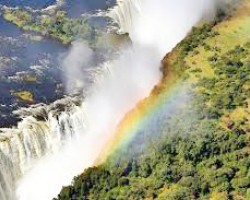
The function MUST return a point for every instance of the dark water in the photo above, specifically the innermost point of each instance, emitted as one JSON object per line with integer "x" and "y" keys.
{"x": 36, "y": 4}
{"x": 19, "y": 55}
{"x": 8, "y": 29}
{"x": 77, "y": 7}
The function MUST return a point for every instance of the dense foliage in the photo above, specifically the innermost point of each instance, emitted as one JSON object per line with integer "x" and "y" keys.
{"x": 215, "y": 164}
{"x": 57, "y": 25}
{"x": 229, "y": 88}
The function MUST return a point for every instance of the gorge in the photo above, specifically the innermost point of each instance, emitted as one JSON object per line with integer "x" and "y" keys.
{"x": 53, "y": 143}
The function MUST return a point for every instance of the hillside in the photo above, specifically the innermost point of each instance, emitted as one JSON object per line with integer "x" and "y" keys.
{"x": 203, "y": 150}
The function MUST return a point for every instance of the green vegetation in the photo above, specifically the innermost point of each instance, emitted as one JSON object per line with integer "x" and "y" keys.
{"x": 196, "y": 38}
{"x": 57, "y": 26}
{"x": 198, "y": 166}
{"x": 203, "y": 152}
{"x": 228, "y": 90}
{"x": 24, "y": 95}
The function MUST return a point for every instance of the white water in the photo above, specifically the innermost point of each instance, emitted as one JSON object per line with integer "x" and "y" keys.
{"x": 155, "y": 27}
{"x": 160, "y": 23}
{"x": 20, "y": 147}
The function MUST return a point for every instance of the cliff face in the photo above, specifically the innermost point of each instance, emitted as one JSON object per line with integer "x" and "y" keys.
{"x": 203, "y": 151}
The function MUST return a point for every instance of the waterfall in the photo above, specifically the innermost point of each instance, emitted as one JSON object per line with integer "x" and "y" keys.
{"x": 33, "y": 138}
{"x": 7, "y": 177}
{"x": 53, "y": 143}
{"x": 159, "y": 23}
{"x": 124, "y": 14}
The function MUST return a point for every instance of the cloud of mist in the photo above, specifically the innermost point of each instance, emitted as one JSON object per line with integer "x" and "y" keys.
{"x": 168, "y": 22}
{"x": 128, "y": 78}
{"x": 74, "y": 65}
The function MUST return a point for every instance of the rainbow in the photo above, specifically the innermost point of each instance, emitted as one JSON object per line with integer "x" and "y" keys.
{"x": 163, "y": 100}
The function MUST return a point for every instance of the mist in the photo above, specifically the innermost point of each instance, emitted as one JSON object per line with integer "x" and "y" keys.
{"x": 155, "y": 27}
{"x": 160, "y": 24}
{"x": 75, "y": 64}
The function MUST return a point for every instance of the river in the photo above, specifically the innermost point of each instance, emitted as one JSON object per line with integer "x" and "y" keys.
{"x": 20, "y": 56}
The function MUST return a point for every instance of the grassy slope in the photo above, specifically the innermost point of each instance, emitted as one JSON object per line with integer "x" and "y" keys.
{"x": 212, "y": 162}
{"x": 233, "y": 32}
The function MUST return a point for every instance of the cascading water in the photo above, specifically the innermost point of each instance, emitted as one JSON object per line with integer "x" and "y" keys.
{"x": 33, "y": 138}
{"x": 124, "y": 13}
{"x": 159, "y": 24}
{"x": 46, "y": 154}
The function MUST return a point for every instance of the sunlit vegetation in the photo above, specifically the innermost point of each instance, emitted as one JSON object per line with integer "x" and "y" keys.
{"x": 207, "y": 158}
{"x": 228, "y": 90}
{"x": 19, "y": 17}
{"x": 57, "y": 26}
{"x": 199, "y": 166}
{"x": 24, "y": 95}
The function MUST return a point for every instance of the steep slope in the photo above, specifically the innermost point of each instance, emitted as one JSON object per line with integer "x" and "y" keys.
{"x": 201, "y": 151}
